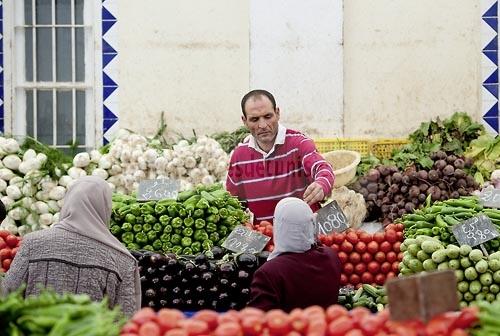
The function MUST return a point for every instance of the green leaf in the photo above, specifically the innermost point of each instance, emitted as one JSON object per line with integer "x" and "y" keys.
{"x": 479, "y": 178}
{"x": 425, "y": 162}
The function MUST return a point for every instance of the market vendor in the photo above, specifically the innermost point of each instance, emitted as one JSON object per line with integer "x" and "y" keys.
{"x": 299, "y": 273}
{"x": 275, "y": 162}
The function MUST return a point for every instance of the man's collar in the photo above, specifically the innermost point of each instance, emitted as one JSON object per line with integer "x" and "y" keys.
{"x": 280, "y": 140}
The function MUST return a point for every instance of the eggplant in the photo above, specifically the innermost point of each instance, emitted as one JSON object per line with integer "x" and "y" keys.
{"x": 163, "y": 291}
{"x": 156, "y": 259}
{"x": 207, "y": 277}
{"x": 176, "y": 290}
{"x": 247, "y": 261}
{"x": 262, "y": 256}
{"x": 150, "y": 293}
{"x": 187, "y": 293}
{"x": 201, "y": 303}
{"x": 177, "y": 302}
{"x": 227, "y": 269}
{"x": 155, "y": 281}
{"x": 163, "y": 303}
{"x": 167, "y": 279}
{"x": 151, "y": 270}
{"x": 217, "y": 252}
{"x": 200, "y": 259}
{"x": 151, "y": 304}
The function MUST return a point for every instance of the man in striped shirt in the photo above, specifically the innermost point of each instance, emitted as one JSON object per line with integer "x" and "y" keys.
{"x": 275, "y": 162}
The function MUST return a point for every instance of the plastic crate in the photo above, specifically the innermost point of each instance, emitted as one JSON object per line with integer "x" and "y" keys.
{"x": 383, "y": 148}
{"x": 328, "y": 145}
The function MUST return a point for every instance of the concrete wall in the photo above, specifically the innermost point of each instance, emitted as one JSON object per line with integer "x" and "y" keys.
{"x": 403, "y": 62}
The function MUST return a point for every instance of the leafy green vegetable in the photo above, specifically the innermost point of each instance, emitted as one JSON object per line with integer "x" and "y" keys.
{"x": 367, "y": 162}
{"x": 229, "y": 140}
{"x": 56, "y": 159}
{"x": 485, "y": 152}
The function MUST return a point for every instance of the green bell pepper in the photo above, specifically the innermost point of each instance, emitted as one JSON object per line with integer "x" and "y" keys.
{"x": 160, "y": 209}
{"x": 213, "y": 210}
{"x": 166, "y": 246}
{"x": 182, "y": 212}
{"x": 137, "y": 228}
{"x": 211, "y": 227}
{"x": 213, "y": 218}
{"x": 185, "y": 195}
{"x": 186, "y": 241}
{"x": 115, "y": 230}
{"x": 220, "y": 203}
{"x": 172, "y": 210}
{"x": 177, "y": 249}
{"x": 188, "y": 221}
{"x": 133, "y": 247}
{"x": 152, "y": 235}
{"x": 196, "y": 246}
{"x": 148, "y": 248}
{"x": 149, "y": 219}
{"x": 135, "y": 209}
{"x": 139, "y": 220}
{"x": 199, "y": 223}
{"x": 214, "y": 236}
{"x": 147, "y": 208}
{"x": 177, "y": 222}
{"x": 146, "y": 227}
{"x": 200, "y": 235}
{"x": 187, "y": 232}
{"x": 230, "y": 221}
{"x": 127, "y": 237}
{"x": 202, "y": 204}
{"x": 198, "y": 213}
{"x": 178, "y": 231}
{"x": 141, "y": 237}
{"x": 157, "y": 245}
{"x": 127, "y": 227}
{"x": 223, "y": 213}
{"x": 176, "y": 239}
{"x": 187, "y": 250}
{"x": 168, "y": 229}
{"x": 130, "y": 218}
{"x": 223, "y": 230}
{"x": 157, "y": 227}
{"x": 165, "y": 237}
{"x": 207, "y": 245}
{"x": 164, "y": 219}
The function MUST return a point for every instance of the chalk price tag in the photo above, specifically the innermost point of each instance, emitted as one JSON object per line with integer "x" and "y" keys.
{"x": 475, "y": 231}
{"x": 242, "y": 239}
{"x": 158, "y": 189}
{"x": 330, "y": 218}
{"x": 490, "y": 198}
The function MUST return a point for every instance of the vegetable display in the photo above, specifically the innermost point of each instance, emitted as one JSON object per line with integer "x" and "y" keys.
{"x": 53, "y": 314}
{"x": 390, "y": 194}
{"x": 198, "y": 220}
{"x": 367, "y": 258}
{"x": 368, "y": 296}
{"x": 217, "y": 282}
{"x": 437, "y": 218}
{"x": 478, "y": 276}
{"x": 485, "y": 152}
{"x": 314, "y": 321}
{"x": 353, "y": 205}
{"x": 9, "y": 244}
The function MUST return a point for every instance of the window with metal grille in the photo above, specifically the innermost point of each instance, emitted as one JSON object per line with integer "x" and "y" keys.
{"x": 53, "y": 76}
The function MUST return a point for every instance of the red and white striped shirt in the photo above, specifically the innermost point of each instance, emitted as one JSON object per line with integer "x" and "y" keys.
{"x": 263, "y": 179}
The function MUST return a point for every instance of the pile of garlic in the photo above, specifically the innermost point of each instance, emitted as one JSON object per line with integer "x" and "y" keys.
{"x": 132, "y": 158}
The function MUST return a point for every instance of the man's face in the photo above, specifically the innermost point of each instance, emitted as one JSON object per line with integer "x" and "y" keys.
{"x": 261, "y": 120}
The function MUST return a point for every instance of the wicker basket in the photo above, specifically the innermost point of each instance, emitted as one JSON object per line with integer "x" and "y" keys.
{"x": 344, "y": 164}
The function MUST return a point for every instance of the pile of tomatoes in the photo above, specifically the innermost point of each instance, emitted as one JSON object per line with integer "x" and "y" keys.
{"x": 367, "y": 258}
{"x": 9, "y": 244}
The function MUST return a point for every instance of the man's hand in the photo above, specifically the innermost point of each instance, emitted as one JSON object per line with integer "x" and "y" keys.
{"x": 314, "y": 193}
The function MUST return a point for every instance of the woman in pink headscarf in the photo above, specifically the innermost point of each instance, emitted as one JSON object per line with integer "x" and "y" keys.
{"x": 298, "y": 273}
{"x": 79, "y": 254}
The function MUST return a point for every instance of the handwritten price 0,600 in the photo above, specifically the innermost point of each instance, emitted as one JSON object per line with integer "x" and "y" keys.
{"x": 333, "y": 221}
{"x": 235, "y": 244}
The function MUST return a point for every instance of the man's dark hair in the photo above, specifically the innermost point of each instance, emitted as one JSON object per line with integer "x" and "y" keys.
{"x": 3, "y": 211}
{"x": 257, "y": 93}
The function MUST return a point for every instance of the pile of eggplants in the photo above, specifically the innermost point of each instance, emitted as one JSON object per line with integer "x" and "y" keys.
{"x": 214, "y": 280}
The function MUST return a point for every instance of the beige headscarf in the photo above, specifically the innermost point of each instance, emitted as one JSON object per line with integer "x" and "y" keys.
{"x": 294, "y": 227}
{"x": 87, "y": 212}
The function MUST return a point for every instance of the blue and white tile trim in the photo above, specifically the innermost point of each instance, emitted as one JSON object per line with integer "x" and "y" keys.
{"x": 1, "y": 70}
{"x": 109, "y": 69}
{"x": 489, "y": 64}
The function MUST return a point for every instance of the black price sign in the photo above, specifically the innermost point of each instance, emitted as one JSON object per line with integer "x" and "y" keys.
{"x": 330, "y": 218}
{"x": 242, "y": 239}
{"x": 490, "y": 198}
{"x": 158, "y": 189}
{"x": 475, "y": 231}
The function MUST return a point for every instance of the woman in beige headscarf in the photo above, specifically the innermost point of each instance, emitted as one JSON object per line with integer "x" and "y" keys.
{"x": 79, "y": 254}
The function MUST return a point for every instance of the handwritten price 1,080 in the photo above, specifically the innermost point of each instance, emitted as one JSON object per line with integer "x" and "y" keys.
{"x": 333, "y": 221}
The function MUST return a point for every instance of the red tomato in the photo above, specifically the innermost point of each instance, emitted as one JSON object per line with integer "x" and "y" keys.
{"x": 372, "y": 247}
{"x": 358, "y": 314}
{"x": 365, "y": 237}
{"x": 354, "y": 279}
{"x": 334, "y": 312}
{"x": 400, "y": 256}
{"x": 385, "y": 267}
{"x": 3, "y": 244}
{"x": 343, "y": 279}
{"x": 265, "y": 223}
{"x": 395, "y": 267}
{"x": 130, "y": 327}
{"x": 228, "y": 329}
{"x": 340, "y": 326}
{"x": 317, "y": 327}
{"x": 328, "y": 241}
{"x": 298, "y": 321}
{"x": 149, "y": 328}
{"x": 379, "y": 237}
{"x": 379, "y": 257}
{"x": 277, "y": 322}
{"x": 335, "y": 247}
{"x": 346, "y": 247}
{"x": 11, "y": 240}
{"x": 354, "y": 258}
{"x": 13, "y": 252}
{"x": 247, "y": 311}
{"x": 252, "y": 325}
{"x": 373, "y": 267}
{"x": 352, "y": 237}
{"x": 169, "y": 318}
{"x": 390, "y": 226}
{"x": 293, "y": 333}
{"x": 337, "y": 238}
{"x": 366, "y": 257}
{"x": 360, "y": 268}
{"x": 360, "y": 247}
{"x": 391, "y": 256}
{"x": 367, "y": 278}
{"x": 348, "y": 268}
{"x": 5, "y": 253}
{"x": 176, "y": 332}
{"x": 315, "y": 311}
{"x": 390, "y": 236}
{"x": 229, "y": 316}
{"x": 399, "y": 227}
{"x": 390, "y": 275}
{"x": 459, "y": 332}
{"x": 400, "y": 236}
{"x": 194, "y": 327}
{"x": 354, "y": 332}
{"x": 380, "y": 279}
{"x": 396, "y": 247}
{"x": 385, "y": 247}
{"x": 342, "y": 256}
{"x": 6, "y": 263}
{"x": 210, "y": 317}
{"x": 4, "y": 234}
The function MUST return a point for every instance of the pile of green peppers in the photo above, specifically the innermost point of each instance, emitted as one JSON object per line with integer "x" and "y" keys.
{"x": 196, "y": 221}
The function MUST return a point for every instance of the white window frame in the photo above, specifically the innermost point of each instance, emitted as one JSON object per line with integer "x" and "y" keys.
{"x": 14, "y": 70}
